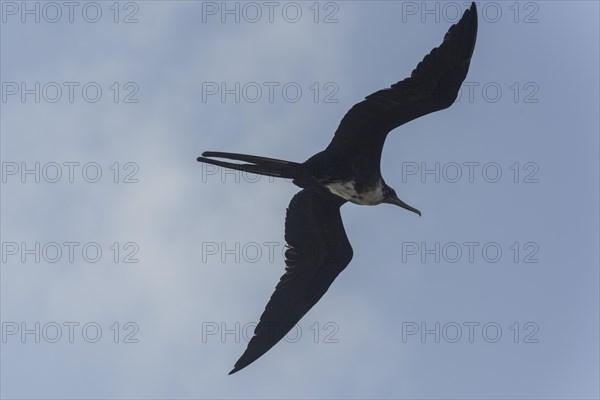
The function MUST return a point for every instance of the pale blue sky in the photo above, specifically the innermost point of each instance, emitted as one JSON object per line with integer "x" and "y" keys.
{"x": 183, "y": 221}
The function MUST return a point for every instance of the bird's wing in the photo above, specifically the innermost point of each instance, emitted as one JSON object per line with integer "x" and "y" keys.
{"x": 432, "y": 86}
{"x": 318, "y": 251}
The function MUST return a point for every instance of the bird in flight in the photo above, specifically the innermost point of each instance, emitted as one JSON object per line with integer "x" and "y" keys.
{"x": 347, "y": 170}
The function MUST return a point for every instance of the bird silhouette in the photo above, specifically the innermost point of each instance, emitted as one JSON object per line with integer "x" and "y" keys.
{"x": 347, "y": 170}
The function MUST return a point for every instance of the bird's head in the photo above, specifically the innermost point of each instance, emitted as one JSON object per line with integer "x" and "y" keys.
{"x": 390, "y": 197}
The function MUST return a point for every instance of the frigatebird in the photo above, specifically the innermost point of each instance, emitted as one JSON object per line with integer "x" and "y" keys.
{"x": 347, "y": 170}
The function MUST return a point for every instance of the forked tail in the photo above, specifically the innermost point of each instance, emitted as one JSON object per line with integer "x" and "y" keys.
{"x": 259, "y": 165}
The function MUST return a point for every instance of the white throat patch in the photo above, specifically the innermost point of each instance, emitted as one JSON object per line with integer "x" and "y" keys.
{"x": 347, "y": 191}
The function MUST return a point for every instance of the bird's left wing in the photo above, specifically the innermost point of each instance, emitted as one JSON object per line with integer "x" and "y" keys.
{"x": 432, "y": 86}
{"x": 318, "y": 251}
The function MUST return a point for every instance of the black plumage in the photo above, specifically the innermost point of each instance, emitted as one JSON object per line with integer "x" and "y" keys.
{"x": 347, "y": 170}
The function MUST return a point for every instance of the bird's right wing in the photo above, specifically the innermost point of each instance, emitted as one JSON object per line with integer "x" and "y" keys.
{"x": 318, "y": 251}
{"x": 432, "y": 86}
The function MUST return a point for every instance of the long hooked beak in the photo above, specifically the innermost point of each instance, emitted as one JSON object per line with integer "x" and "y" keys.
{"x": 398, "y": 202}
